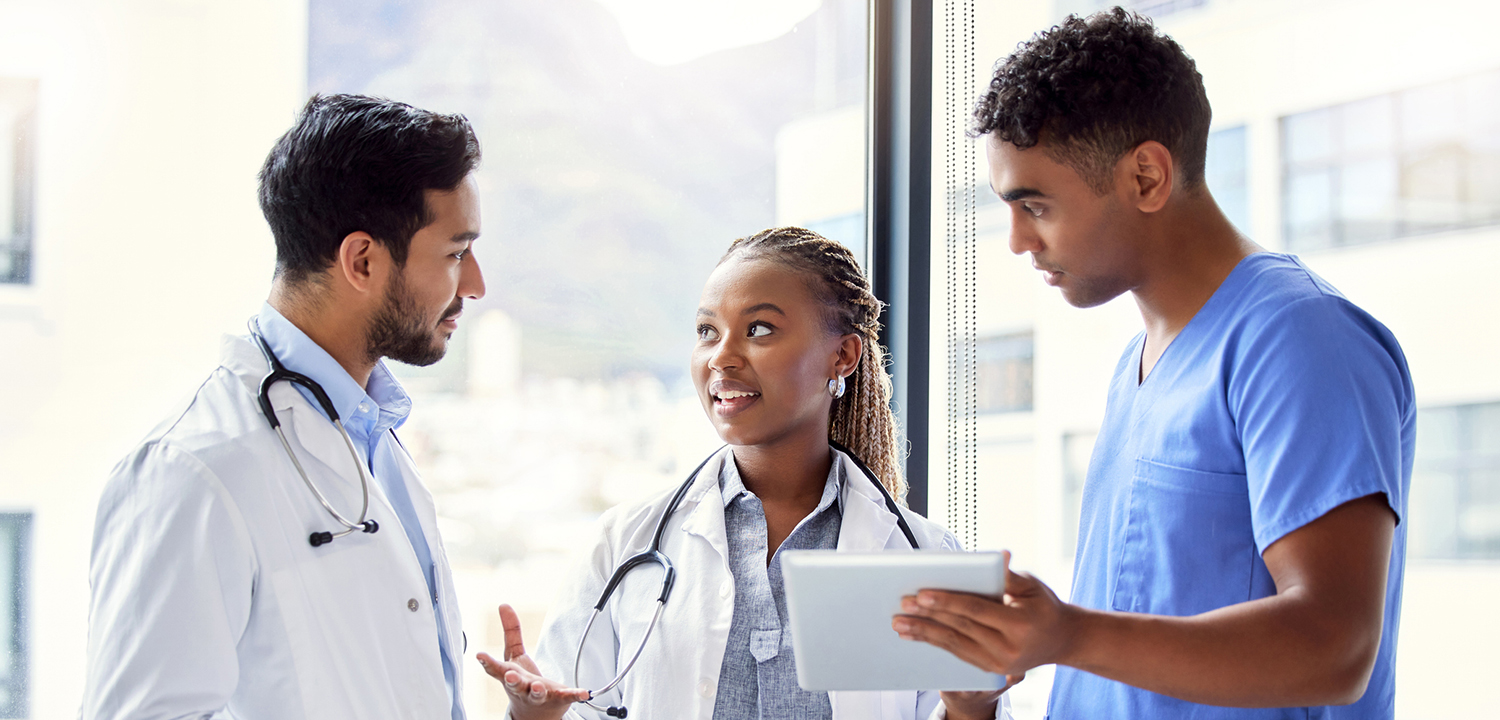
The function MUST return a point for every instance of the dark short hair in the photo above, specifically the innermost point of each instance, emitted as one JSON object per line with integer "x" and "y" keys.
{"x": 1098, "y": 87}
{"x": 354, "y": 163}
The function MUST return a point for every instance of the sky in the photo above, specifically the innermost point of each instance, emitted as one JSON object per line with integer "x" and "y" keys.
{"x": 670, "y": 32}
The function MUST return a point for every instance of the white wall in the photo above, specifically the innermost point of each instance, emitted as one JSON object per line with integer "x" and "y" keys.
{"x": 154, "y": 117}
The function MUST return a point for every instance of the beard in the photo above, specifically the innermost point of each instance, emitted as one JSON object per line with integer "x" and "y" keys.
{"x": 399, "y": 332}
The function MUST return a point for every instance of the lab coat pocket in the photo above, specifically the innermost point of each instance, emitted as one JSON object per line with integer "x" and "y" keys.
{"x": 1187, "y": 546}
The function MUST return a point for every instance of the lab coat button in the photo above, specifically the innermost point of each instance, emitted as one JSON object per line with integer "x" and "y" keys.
{"x": 412, "y": 604}
{"x": 705, "y": 689}
{"x": 724, "y": 589}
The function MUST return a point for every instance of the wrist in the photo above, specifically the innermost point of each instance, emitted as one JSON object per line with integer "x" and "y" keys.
{"x": 1075, "y": 631}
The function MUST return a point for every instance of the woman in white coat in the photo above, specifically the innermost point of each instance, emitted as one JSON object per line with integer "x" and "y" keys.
{"x": 786, "y": 360}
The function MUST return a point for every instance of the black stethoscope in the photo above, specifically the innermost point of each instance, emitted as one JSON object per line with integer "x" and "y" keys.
{"x": 279, "y": 373}
{"x": 654, "y": 555}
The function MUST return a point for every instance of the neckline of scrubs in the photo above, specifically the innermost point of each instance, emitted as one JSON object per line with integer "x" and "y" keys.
{"x": 1222, "y": 294}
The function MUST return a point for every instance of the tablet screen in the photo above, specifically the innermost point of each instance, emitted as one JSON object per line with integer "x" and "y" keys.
{"x": 841, "y": 605}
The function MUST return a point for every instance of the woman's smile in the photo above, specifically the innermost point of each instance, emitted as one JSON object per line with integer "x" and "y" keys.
{"x": 731, "y": 397}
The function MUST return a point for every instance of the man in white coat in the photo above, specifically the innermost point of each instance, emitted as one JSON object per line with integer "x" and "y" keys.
{"x": 245, "y": 570}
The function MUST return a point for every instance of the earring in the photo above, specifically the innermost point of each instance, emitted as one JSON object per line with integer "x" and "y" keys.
{"x": 836, "y": 387}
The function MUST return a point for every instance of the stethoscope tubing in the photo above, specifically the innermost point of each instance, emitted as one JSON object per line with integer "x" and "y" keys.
{"x": 654, "y": 555}
{"x": 279, "y": 373}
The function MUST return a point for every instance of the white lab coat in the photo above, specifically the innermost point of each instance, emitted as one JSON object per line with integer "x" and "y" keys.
{"x": 209, "y": 601}
{"x": 677, "y": 675}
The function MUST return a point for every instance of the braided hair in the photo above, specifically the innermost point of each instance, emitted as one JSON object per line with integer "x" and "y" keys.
{"x": 861, "y": 420}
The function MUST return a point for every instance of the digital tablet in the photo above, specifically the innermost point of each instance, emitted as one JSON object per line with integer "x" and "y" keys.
{"x": 841, "y": 605}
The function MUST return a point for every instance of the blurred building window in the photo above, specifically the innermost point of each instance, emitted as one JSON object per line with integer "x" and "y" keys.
{"x": 1409, "y": 163}
{"x": 1150, "y": 8}
{"x": 1005, "y": 363}
{"x": 1227, "y": 174}
{"x": 1455, "y": 487}
{"x": 15, "y": 571}
{"x": 1077, "y": 449}
{"x": 17, "y": 178}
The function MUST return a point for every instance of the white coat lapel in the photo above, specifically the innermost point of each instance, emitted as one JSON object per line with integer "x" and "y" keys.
{"x": 705, "y": 506}
{"x": 310, "y": 434}
{"x": 868, "y": 523}
{"x": 318, "y": 436}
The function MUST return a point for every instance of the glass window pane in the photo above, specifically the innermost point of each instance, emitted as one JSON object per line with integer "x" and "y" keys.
{"x": 1482, "y": 185}
{"x": 1309, "y": 210}
{"x": 1005, "y": 373}
{"x": 1438, "y": 441}
{"x": 1432, "y": 190}
{"x": 1367, "y": 127}
{"x": 1308, "y": 137}
{"x": 1479, "y": 514}
{"x": 17, "y": 121}
{"x": 1433, "y": 514}
{"x": 1455, "y": 488}
{"x": 1078, "y": 450}
{"x": 1483, "y": 437}
{"x": 1430, "y": 115}
{"x": 1367, "y": 200}
{"x": 1227, "y": 175}
{"x": 15, "y": 532}
{"x": 9, "y": 116}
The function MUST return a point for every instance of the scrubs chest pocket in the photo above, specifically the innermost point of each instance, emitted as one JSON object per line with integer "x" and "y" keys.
{"x": 1188, "y": 546}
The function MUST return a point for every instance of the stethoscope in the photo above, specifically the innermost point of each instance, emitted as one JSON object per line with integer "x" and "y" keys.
{"x": 279, "y": 373}
{"x": 654, "y": 555}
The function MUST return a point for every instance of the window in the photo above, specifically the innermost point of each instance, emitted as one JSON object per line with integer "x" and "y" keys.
{"x": 1409, "y": 163}
{"x": 626, "y": 144}
{"x": 1152, "y": 8}
{"x": 1455, "y": 486}
{"x": 15, "y": 566}
{"x": 17, "y": 129}
{"x": 1227, "y": 175}
{"x": 1005, "y": 373}
{"x": 1078, "y": 449}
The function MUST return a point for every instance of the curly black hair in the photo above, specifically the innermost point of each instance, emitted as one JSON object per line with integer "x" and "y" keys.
{"x": 1098, "y": 87}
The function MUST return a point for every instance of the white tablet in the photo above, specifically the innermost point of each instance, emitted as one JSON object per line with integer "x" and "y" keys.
{"x": 841, "y": 605}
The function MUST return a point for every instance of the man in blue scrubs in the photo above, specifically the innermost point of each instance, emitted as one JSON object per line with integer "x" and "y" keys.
{"x": 1242, "y": 539}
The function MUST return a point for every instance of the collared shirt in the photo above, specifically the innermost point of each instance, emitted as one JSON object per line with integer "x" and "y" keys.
{"x": 369, "y": 414}
{"x": 758, "y": 677}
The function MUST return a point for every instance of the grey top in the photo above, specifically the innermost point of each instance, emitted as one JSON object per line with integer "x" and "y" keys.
{"x": 758, "y": 678}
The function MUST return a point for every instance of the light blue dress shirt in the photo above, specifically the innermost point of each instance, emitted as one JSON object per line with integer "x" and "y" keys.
{"x": 1279, "y": 401}
{"x": 370, "y": 415}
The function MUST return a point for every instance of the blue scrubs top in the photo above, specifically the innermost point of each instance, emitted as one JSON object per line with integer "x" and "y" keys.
{"x": 1278, "y": 402}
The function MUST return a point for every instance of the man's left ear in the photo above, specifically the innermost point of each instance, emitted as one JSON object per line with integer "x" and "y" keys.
{"x": 1151, "y": 174}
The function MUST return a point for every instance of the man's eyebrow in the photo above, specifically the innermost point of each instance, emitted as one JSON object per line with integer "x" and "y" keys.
{"x": 705, "y": 312}
{"x": 764, "y": 306}
{"x": 1021, "y": 194}
{"x": 464, "y": 237}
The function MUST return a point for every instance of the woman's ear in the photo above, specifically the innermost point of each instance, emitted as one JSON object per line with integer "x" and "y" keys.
{"x": 851, "y": 349}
